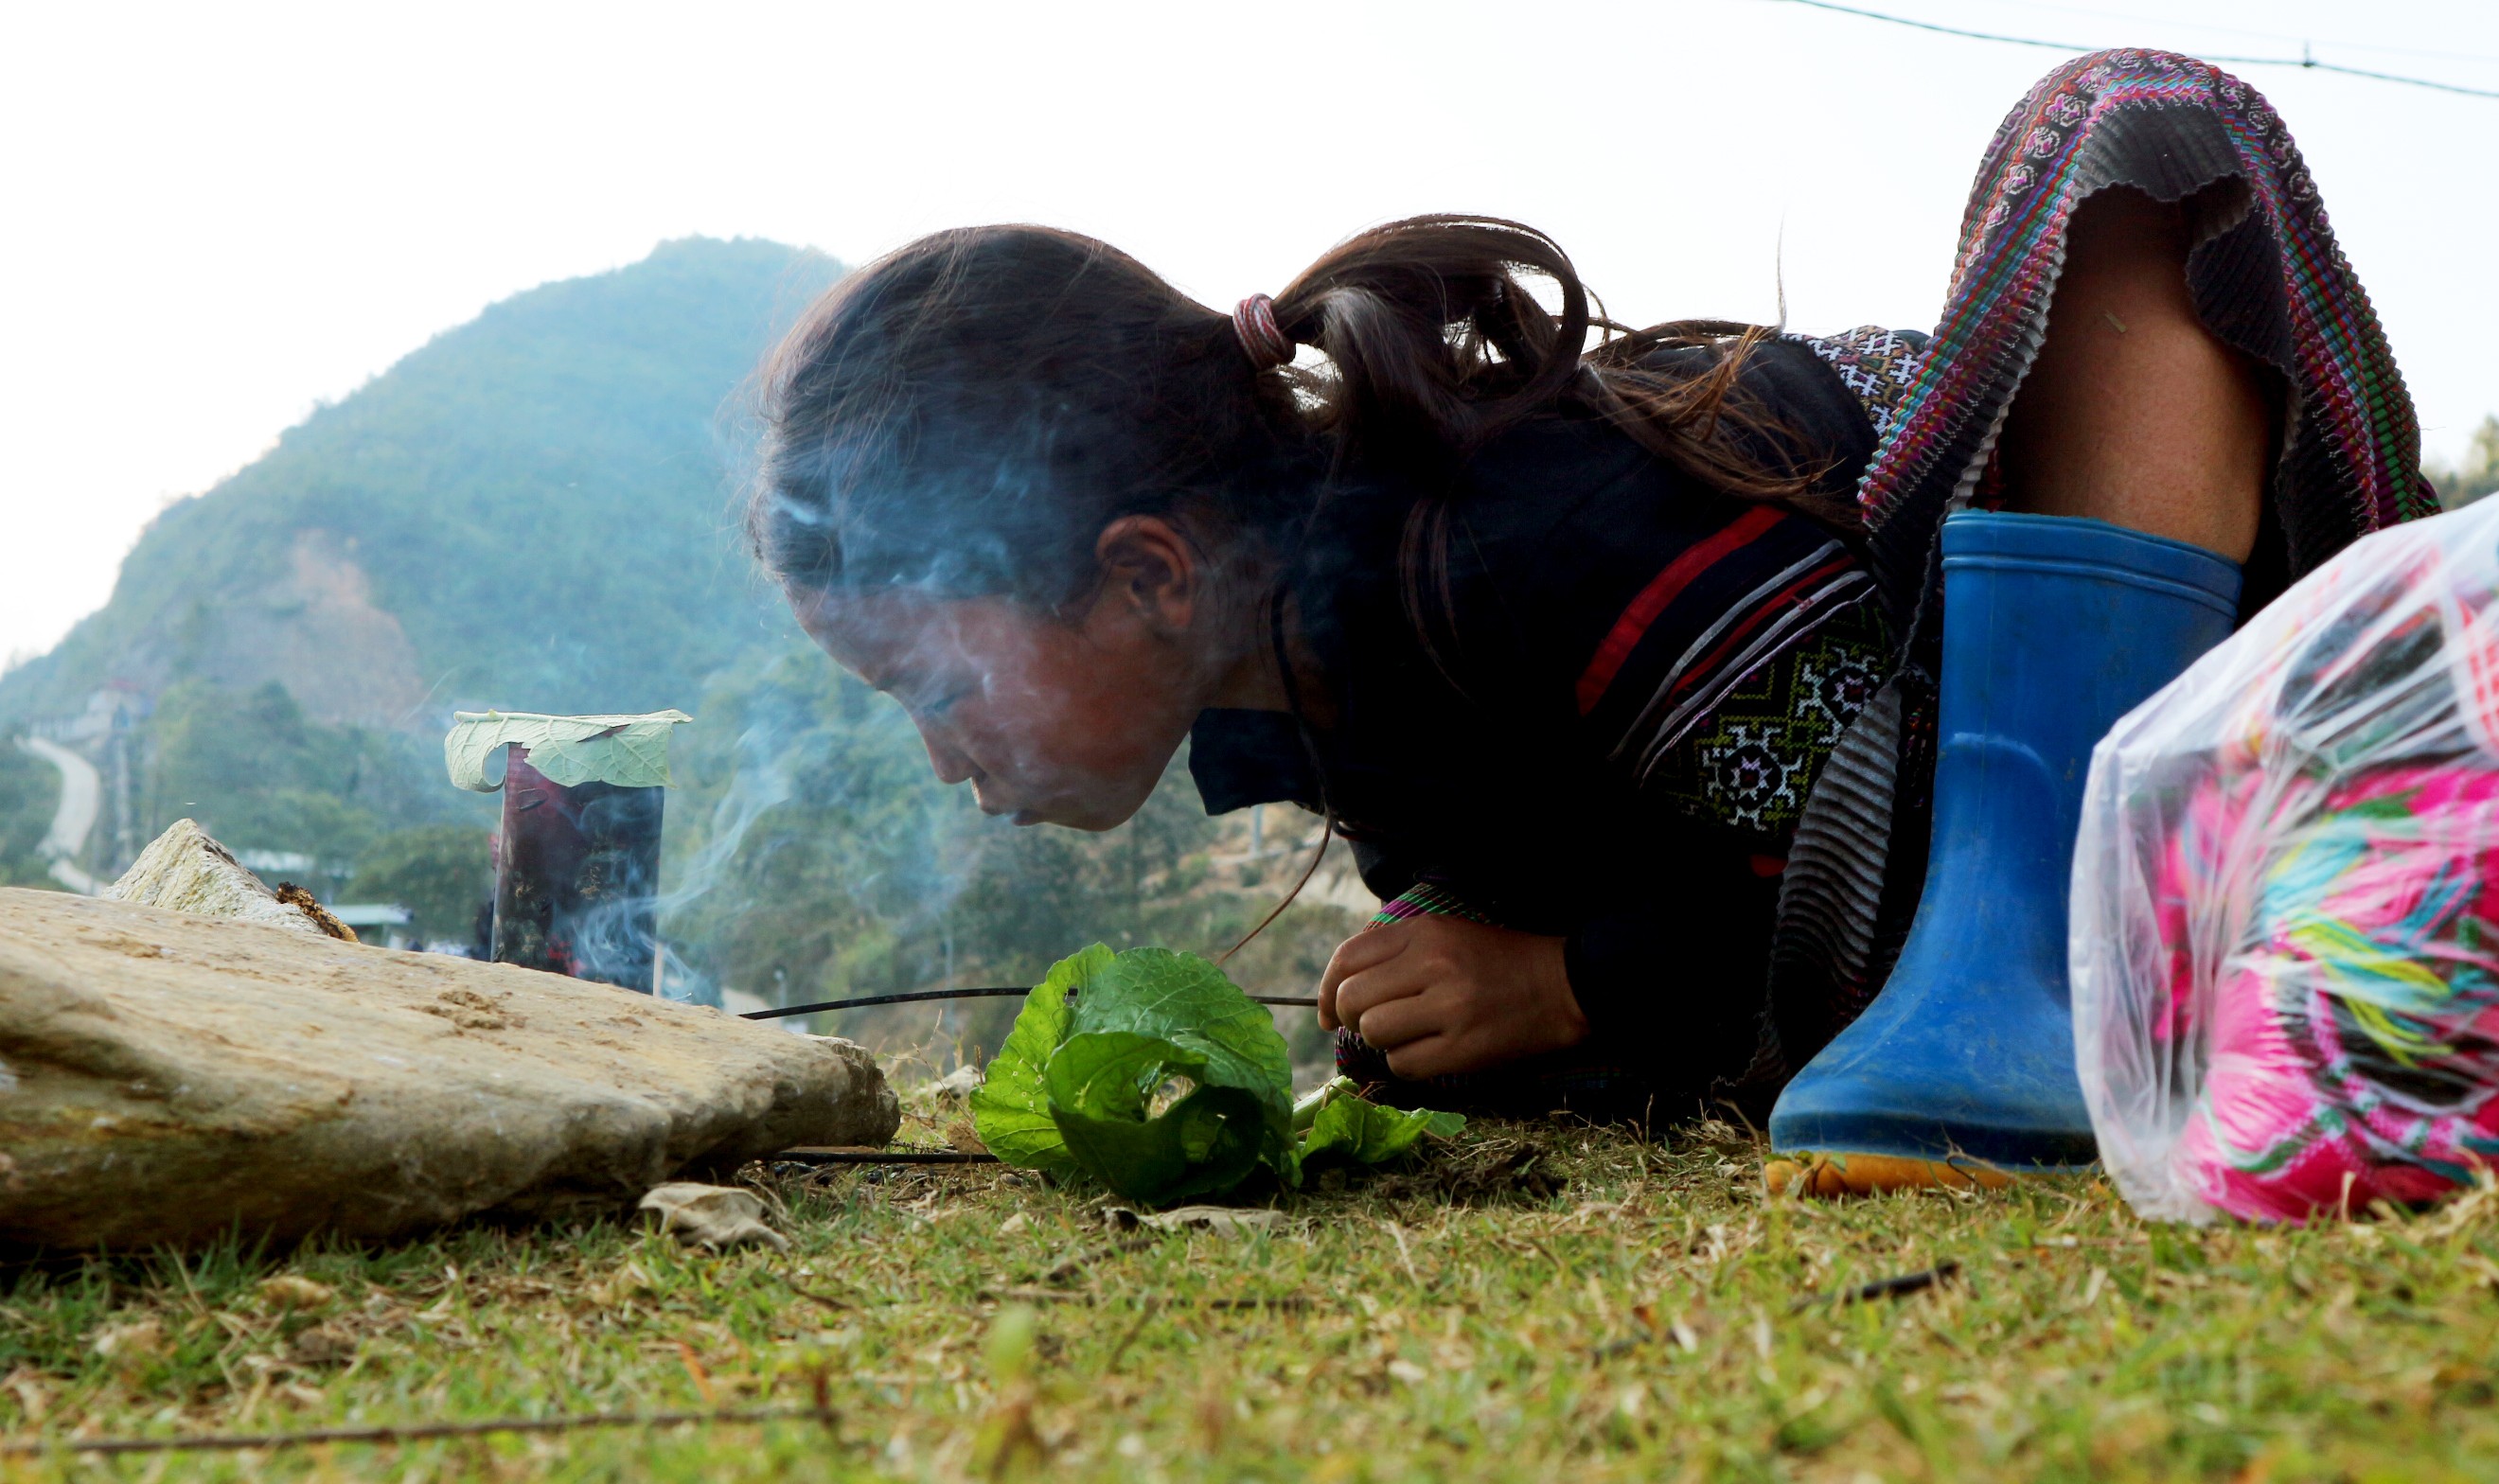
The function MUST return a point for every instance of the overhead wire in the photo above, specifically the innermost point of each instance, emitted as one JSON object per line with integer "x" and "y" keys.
{"x": 2305, "y": 62}
{"x": 2338, "y": 43}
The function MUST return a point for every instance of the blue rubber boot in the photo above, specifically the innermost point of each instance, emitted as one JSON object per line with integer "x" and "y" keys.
{"x": 2053, "y": 627}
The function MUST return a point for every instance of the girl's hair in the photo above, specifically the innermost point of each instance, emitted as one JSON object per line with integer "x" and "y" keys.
{"x": 965, "y": 415}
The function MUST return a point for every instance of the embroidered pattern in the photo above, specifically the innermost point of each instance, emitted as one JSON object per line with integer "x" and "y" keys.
{"x": 1752, "y": 763}
{"x": 1879, "y": 367}
{"x": 1425, "y": 899}
{"x": 1724, "y": 608}
{"x": 1774, "y": 620}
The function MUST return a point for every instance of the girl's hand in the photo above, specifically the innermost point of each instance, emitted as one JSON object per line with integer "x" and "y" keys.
{"x": 1443, "y": 995}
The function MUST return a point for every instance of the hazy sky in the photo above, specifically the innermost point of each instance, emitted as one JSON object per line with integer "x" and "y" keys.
{"x": 225, "y": 214}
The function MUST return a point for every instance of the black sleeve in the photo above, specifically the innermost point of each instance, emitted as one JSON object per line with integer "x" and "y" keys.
{"x": 1674, "y": 965}
{"x": 1712, "y": 666}
{"x": 1539, "y": 759}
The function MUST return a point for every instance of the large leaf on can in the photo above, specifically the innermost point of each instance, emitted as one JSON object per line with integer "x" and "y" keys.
{"x": 630, "y": 752}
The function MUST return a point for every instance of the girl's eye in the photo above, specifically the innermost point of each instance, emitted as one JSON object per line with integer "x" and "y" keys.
{"x": 940, "y": 705}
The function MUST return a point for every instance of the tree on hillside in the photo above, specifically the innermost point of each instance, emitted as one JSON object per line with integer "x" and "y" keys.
{"x": 441, "y": 873}
{"x": 2477, "y": 475}
{"x": 29, "y": 792}
{"x": 259, "y": 775}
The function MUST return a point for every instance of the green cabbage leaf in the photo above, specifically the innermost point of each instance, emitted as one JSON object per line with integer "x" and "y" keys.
{"x": 1152, "y": 1073}
{"x": 1337, "y": 1123}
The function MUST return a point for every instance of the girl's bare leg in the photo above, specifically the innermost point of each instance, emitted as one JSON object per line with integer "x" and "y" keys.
{"x": 2134, "y": 414}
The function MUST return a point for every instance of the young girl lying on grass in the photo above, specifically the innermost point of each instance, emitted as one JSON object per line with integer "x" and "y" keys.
{"x": 1558, "y": 623}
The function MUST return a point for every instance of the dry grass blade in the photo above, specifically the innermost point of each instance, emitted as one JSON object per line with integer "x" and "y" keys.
{"x": 414, "y": 1431}
{"x": 1592, "y": 1306}
{"x": 1083, "y": 1260}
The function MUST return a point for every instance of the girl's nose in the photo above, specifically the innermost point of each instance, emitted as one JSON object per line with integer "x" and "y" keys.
{"x": 949, "y": 763}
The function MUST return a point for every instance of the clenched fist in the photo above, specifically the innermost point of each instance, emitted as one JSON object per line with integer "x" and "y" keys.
{"x": 1443, "y": 995}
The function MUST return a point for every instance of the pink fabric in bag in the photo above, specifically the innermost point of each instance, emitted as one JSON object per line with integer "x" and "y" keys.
{"x": 2285, "y": 927}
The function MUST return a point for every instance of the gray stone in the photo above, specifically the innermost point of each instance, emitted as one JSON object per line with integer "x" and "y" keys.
{"x": 165, "y": 1077}
{"x": 185, "y": 870}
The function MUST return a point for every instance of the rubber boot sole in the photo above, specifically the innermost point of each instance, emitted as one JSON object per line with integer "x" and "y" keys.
{"x": 1837, "y": 1177}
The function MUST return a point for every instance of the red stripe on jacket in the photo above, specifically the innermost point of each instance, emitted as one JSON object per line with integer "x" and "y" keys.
{"x": 1742, "y": 631}
{"x": 1662, "y": 589}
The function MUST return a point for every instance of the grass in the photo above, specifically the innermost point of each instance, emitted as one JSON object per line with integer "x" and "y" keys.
{"x": 1534, "y": 1303}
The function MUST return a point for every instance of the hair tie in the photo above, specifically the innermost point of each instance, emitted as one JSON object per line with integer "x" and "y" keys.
{"x": 1253, "y": 320}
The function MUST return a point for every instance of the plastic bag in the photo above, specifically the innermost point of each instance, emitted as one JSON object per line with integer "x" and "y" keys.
{"x": 2284, "y": 951}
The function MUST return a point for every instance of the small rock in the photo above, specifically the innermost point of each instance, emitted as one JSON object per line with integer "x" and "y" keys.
{"x": 184, "y": 870}
{"x": 322, "y": 1344}
{"x": 957, "y": 1086}
{"x": 717, "y": 1217}
{"x": 1016, "y": 1223}
{"x": 130, "y": 1348}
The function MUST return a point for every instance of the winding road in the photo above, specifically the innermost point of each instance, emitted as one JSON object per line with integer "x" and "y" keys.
{"x": 81, "y": 796}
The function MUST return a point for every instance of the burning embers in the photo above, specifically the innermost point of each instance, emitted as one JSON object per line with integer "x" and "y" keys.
{"x": 578, "y": 867}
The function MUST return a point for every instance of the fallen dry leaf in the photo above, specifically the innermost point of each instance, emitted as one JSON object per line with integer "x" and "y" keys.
{"x": 1223, "y": 1220}
{"x": 715, "y": 1216}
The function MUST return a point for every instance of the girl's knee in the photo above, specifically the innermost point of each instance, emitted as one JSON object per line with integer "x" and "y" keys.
{"x": 2135, "y": 412}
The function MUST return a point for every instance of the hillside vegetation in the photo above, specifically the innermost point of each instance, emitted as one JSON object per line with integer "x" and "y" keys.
{"x": 529, "y": 511}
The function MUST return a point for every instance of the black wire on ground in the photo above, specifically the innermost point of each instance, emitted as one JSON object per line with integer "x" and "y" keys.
{"x": 994, "y": 992}
{"x": 814, "y": 1154}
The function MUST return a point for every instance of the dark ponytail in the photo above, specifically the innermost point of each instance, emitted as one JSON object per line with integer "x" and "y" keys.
{"x": 967, "y": 414}
{"x": 1435, "y": 344}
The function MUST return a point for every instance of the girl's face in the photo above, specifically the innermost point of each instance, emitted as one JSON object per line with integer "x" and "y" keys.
{"x": 1051, "y": 720}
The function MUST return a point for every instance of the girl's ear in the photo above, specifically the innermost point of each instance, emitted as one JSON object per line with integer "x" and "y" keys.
{"x": 1151, "y": 564}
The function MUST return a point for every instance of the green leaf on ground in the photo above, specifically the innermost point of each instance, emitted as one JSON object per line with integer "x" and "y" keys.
{"x": 1184, "y": 1000}
{"x": 1010, "y": 1111}
{"x": 1342, "y": 1126}
{"x": 1151, "y": 1073}
{"x": 1102, "y": 1088}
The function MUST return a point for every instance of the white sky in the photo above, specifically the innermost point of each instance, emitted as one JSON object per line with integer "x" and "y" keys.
{"x": 224, "y": 213}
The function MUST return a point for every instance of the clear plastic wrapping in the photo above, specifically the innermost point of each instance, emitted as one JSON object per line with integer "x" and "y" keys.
{"x": 2285, "y": 898}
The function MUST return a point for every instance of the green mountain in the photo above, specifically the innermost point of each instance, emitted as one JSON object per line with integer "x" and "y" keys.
{"x": 532, "y": 511}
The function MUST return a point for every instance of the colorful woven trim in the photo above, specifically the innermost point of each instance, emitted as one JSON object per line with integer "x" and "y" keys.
{"x": 2273, "y": 284}
{"x": 1425, "y": 899}
{"x": 1708, "y": 624}
{"x": 2075, "y": 132}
